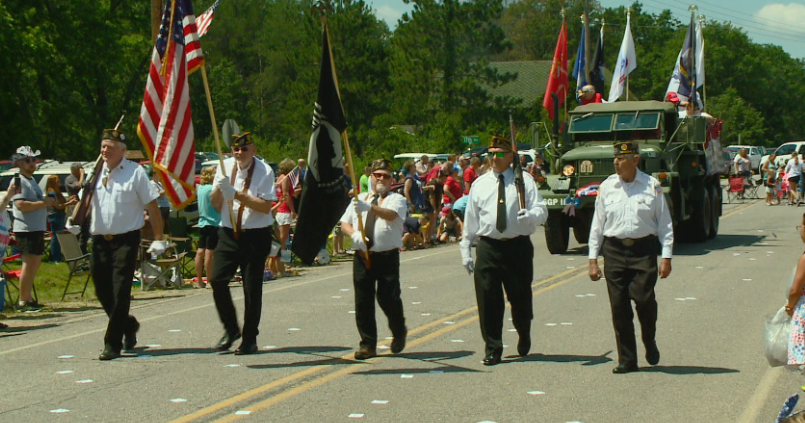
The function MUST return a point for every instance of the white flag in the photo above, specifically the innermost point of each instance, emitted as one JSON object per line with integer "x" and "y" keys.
{"x": 627, "y": 62}
{"x": 673, "y": 85}
{"x": 699, "y": 55}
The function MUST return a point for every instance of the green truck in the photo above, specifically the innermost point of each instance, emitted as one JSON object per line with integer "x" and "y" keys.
{"x": 683, "y": 153}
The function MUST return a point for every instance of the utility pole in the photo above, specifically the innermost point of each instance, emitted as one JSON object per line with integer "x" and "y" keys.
{"x": 156, "y": 17}
{"x": 586, "y": 40}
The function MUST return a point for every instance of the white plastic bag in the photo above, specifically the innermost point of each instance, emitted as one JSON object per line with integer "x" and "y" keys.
{"x": 778, "y": 332}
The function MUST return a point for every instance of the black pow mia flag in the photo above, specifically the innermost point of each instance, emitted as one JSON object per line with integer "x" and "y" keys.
{"x": 324, "y": 191}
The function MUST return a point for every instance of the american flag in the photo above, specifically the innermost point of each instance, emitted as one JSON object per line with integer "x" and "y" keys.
{"x": 205, "y": 19}
{"x": 166, "y": 125}
{"x": 294, "y": 176}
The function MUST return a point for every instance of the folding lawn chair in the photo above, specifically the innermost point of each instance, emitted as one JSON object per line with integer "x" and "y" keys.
{"x": 735, "y": 190}
{"x": 13, "y": 275}
{"x": 183, "y": 244}
{"x": 751, "y": 187}
{"x": 77, "y": 262}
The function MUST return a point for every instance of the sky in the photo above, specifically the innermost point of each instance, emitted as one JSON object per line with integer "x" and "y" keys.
{"x": 764, "y": 21}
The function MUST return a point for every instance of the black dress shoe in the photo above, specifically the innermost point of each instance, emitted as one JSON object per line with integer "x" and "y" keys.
{"x": 365, "y": 353}
{"x": 625, "y": 368}
{"x": 492, "y": 359}
{"x": 246, "y": 347}
{"x": 130, "y": 339}
{"x": 109, "y": 353}
{"x": 652, "y": 354}
{"x": 226, "y": 341}
{"x": 398, "y": 343}
{"x": 524, "y": 344}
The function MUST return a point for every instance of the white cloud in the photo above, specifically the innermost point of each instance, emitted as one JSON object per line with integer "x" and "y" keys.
{"x": 388, "y": 14}
{"x": 783, "y": 15}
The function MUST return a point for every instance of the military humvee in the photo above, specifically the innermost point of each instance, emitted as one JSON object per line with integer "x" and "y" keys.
{"x": 683, "y": 153}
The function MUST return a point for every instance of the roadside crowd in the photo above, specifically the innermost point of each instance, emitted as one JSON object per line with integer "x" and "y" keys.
{"x": 780, "y": 179}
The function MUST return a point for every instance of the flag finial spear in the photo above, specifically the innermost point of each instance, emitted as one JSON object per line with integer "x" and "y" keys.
{"x": 693, "y": 8}
{"x": 322, "y": 6}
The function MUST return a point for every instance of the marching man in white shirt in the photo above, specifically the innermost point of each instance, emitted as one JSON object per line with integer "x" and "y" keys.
{"x": 122, "y": 191}
{"x": 505, "y": 255}
{"x": 249, "y": 187}
{"x": 383, "y": 213}
{"x": 631, "y": 225}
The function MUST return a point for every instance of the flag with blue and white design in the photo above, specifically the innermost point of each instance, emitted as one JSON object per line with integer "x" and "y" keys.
{"x": 578, "y": 68}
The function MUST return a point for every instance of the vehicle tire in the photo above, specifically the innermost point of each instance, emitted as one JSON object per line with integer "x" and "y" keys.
{"x": 557, "y": 232}
{"x": 581, "y": 226}
{"x": 701, "y": 218}
{"x": 715, "y": 210}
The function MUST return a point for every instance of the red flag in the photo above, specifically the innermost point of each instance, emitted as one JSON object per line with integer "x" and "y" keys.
{"x": 557, "y": 82}
{"x": 166, "y": 125}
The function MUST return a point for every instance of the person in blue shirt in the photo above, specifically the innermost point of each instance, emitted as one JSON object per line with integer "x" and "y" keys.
{"x": 208, "y": 221}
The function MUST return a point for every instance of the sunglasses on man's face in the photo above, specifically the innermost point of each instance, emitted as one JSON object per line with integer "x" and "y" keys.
{"x": 28, "y": 160}
{"x": 381, "y": 176}
{"x": 239, "y": 149}
{"x": 498, "y": 154}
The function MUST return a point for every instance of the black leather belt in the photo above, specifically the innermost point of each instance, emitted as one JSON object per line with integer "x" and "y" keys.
{"x": 384, "y": 253}
{"x": 504, "y": 239}
{"x": 631, "y": 242}
{"x": 110, "y": 238}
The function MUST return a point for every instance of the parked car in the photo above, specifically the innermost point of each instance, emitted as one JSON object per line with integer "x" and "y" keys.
{"x": 784, "y": 152}
{"x": 754, "y": 152}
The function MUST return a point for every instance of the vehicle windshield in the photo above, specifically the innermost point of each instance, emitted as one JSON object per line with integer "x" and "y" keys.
{"x": 637, "y": 120}
{"x": 591, "y": 123}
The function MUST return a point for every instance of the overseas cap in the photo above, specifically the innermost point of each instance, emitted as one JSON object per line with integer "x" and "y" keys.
{"x": 626, "y": 147}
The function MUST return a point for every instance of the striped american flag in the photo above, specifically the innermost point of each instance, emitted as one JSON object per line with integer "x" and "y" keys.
{"x": 166, "y": 125}
{"x": 204, "y": 20}
{"x": 294, "y": 176}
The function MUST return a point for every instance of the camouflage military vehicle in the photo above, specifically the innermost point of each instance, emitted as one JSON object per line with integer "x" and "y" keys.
{"x": 683, "y": 153}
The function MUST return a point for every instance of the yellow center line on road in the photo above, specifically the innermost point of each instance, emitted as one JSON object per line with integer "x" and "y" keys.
{"x": 331, "y": 376}
{"x": 741, "y": 208}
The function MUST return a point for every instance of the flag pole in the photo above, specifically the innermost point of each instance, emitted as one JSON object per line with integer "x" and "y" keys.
{"x": 628, "y": 28}
{"x": 217, "y": 140}
{"x": 322, "y": 6}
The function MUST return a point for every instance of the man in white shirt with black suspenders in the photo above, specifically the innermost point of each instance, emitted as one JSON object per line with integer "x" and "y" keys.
{"x": 249, "y": 187}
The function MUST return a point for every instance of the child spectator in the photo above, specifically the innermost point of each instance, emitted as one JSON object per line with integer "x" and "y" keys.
{"x": 449, "y": 226}
{"x": 412, "y": 228}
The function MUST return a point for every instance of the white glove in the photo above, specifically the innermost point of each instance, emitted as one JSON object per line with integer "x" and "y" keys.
{"x": 73, "y": 229}
{"x": 357, "y": 242}
{"x": 158, "y": 247}
{"x": 362, "y": 206}
{"x": 469, "y": 264}
{"x": 525, "y": 217}
{"x": 226, "y": 189}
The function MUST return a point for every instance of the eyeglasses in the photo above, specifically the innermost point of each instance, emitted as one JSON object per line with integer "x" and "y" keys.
{"x": 29, "y": 160}
{"x": 239, "y": 149}
{"x": 381, "y": 176}
{"x": 498, "y": 154}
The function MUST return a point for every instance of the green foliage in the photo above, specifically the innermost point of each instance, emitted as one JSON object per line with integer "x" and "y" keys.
{"x": 71, "y": 68}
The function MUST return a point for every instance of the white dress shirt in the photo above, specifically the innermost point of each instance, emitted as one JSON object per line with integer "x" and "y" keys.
{"x": 480, "y": 216}
{"x": 262, "y": 186}
{"x": 388, "y": 233}
{"x": 120, "y": 198}
{"x": 633, "y": 210}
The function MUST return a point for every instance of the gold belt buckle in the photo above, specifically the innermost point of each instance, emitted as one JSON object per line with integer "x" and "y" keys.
{"x": 628, "y": 242}
{"x": 108, "y": 237}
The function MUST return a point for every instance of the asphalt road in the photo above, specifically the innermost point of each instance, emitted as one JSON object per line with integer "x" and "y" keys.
{"x": 710, "y": 332}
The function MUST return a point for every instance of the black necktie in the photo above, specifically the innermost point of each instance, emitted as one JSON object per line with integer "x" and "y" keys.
{"x": 501, "y": 222}
{"x": 369, "y": 228}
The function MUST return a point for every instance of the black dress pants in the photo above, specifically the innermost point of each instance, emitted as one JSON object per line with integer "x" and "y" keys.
{"x": 249, "y": 252}
{"x": 113, "y": 263}
{"x": 382, "y": 280}
{"x": 503, "y": 265}
{"x": 631, "y": 274}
